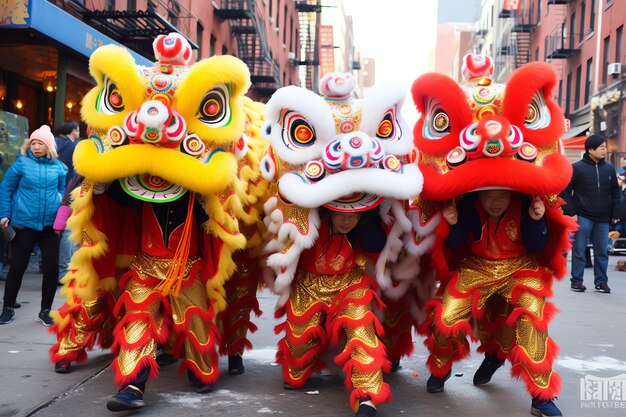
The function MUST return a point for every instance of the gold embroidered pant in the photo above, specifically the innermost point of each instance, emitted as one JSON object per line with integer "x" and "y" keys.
{"x": 326, "y": 309}
{"x": 518, "y": 329}
{"x": 148, "y": 318}
{"x": 81, "y": 325}
{"x": 241, "y": 300}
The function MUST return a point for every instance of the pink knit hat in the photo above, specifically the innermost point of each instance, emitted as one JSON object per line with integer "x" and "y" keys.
{"x": 45, "y": 135}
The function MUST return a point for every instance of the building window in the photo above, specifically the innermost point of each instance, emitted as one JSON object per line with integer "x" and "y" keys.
{"x": 199, "y": 36}
{"x": 605, "y": 59}
{"x": 592, "y": 17}
{"x": 568, "y": 93}
{"x": 545, "y": 47}
{"x": 271, "y": 8}
{"x": 131, "y": 5}
{"x": 536, "y": 54}
{"x": 212, "y": 45}
{"x": 224, "y": 50}
{"x": 579, "y": 72}
{"x": 581, "y": 35}
{"x": 539, "y": 11}
{"x": 572, "y": 28}
{"x": 109, "y": 5}
{"x": 560, "y": 93}
{"x": 284, "y": 28}
{"x": 290, "y": 49}
{"x": 618, "y": 44}
{"x": 588, "y": 79}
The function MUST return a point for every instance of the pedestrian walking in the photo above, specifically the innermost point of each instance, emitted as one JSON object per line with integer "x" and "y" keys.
{"x": 30, "y": 195}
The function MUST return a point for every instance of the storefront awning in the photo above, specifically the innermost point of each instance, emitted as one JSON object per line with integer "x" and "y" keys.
{"x": 59, "y": 25}
{"x": 576, "y": 131}
{"x": 576, "y": 143}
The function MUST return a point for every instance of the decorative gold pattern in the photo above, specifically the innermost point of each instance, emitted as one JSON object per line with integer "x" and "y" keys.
{"x": 486, "y": 272}
{"x": 533, "y": 342}
{"x": 75, "y": 340}
{"x": 297, "y": 215}
{"x": 309, "y": 288}
{"x": 369, "y": 382}
{"x": 512, "y": 230}
{"x": 156, "y": 267}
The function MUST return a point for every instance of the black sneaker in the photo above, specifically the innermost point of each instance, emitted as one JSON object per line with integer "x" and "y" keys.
{"x": 235, "y": 365}
{"x": 128, "y": 398}
{"x": 435, "y": 385}
{"x": 395, "y": 366}
{"x": 366, "y": 411}
{"x": 7, "y": 315}
{"x": 578, "y": 287}
{"x": 490, "y": 365}
{"x": 44, "y": 317}
{"x": 201, "y": 388}
{"x": 17, "y": 305}
{"x": 165, "y": 359}
{"x": 63, "y": 367}
{"x": 544, "y": 408}
{"x": 603, "y": 287}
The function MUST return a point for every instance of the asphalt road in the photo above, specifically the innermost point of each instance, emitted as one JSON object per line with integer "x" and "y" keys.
{"x": 589, "y": 330}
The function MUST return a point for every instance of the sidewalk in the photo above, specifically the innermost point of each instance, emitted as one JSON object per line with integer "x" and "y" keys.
{"x": 589, "y": 330}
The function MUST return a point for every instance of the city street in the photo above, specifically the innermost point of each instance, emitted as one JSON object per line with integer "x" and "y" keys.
{"x": 589, "y": 330}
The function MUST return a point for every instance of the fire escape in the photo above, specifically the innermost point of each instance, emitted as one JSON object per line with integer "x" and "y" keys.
{"x": 309, "y": 15}
{"x": 248, "y": 25}
{"x": 137, "y": 29}
{"x": 518, "y": 41}
{"x": 561, "y": 41}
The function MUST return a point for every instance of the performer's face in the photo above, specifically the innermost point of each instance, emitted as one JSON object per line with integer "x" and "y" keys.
{"x": 495, "y": 202}
{"x": 344, "y": 222}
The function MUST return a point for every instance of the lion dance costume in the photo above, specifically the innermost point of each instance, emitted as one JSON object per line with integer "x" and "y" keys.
{"x": 347, "y": 155}
{"x": 482, "y": 135}
{"x": 169, "y": 178}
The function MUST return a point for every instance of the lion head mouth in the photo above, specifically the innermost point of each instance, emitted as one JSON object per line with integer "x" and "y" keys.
{"x": 353, "y": 189}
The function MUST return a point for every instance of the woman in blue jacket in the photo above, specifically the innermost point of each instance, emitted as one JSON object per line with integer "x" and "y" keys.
{"x": 30, "y": 195}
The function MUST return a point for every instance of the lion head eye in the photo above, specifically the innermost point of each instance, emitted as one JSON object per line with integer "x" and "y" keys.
{"x": 110, "y": 100}
{"x": 214, "y": 108}
{"x": 441, "y": 122}
{"x": 532, "y": 114}
{"x": 538, "y": 114}
{"x": 297, "y": 132}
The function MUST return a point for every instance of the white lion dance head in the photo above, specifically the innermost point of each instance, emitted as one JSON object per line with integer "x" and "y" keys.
{"x": 339, "y": 152}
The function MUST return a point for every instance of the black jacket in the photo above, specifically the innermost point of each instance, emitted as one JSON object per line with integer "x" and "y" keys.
{"x": 65, "y": 150}
{"x": 593, "y": 191}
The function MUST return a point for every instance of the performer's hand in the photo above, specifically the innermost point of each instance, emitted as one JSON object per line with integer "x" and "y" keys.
{"x": 4, "y": 222}
{"x": 450, "y": 214}
{"x": 537, "y": 209}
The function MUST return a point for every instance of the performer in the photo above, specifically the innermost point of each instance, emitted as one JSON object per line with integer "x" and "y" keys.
{"x": 494, "y": 149}
{"x": 502, "y": 231}
{"x": 168, "y": 175}
{"x": 343, "y": 173}
{"x": 332, "y": 299}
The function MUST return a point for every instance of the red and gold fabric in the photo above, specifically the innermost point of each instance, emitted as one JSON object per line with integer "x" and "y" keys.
{"x": 161, "y": 132}
{"x": 481, "y": 135}
{"x": 333, "y": 299}
{"x": 148, "y": 317}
